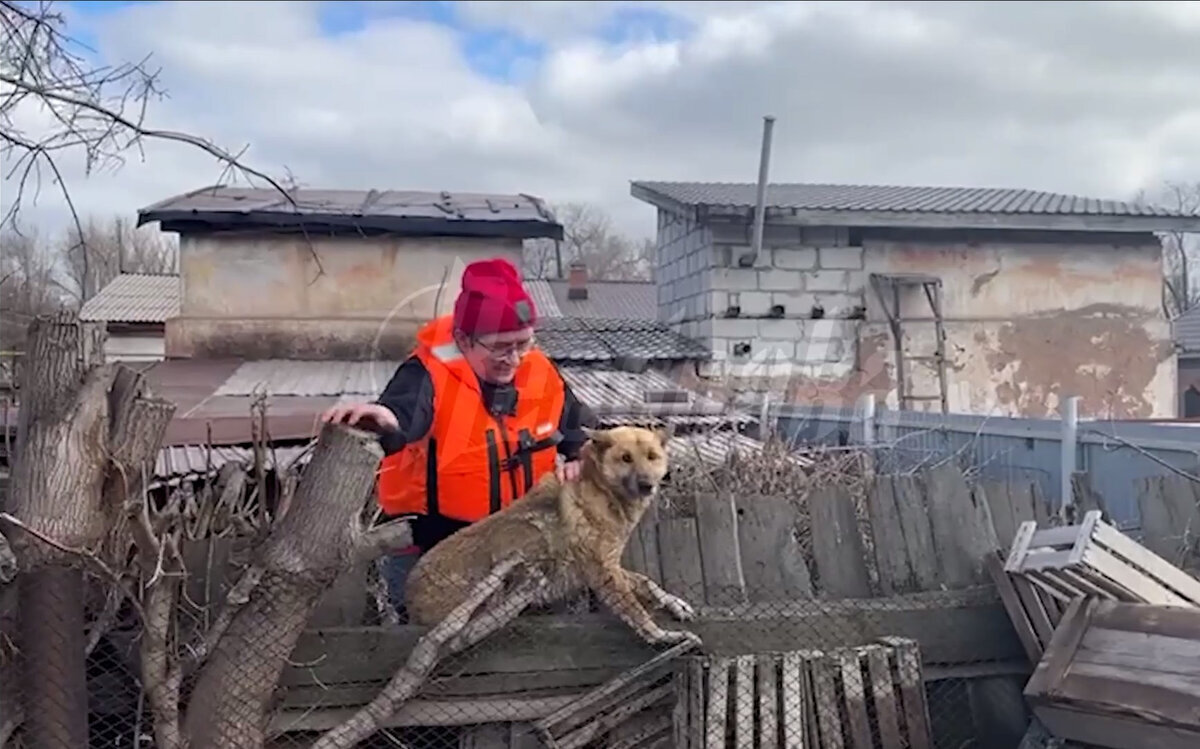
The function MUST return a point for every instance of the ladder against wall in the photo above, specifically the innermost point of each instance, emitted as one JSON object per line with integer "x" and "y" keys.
{"x": 890, "y": 289}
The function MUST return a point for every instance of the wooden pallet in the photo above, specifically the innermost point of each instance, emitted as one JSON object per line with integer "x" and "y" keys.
{"x": 852, "y": 698}
{"x": 1095, "y": 559}
{"x": 630, "y": 711}
{"x": 1034, "y": 612}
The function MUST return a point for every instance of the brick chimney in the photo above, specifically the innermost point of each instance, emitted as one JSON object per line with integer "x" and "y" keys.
{"x": 577, "y": 280}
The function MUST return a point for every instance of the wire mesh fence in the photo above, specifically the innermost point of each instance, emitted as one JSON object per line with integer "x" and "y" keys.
{"x": 831, "y": 606}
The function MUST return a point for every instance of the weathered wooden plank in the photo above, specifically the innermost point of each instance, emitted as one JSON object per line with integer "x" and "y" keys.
{"x": 772, "y": 561}
{"x": 793, "y": 685}
{"x": 743, "y": 702}
{"x": 1170, "y": 512}
{"x": 646, "y": 536}
{"x": 720, "y": 553}
{"x": 1010, "y": 503}
{"x": 716, "y": 707}
{"x": 697, "y": 689}
{"x": 962, "y": 526}
{"x": 1017, "y": 614}
{"x": 837, "y": 546}
{"x": 679, "y": 554}
{"x": 912, "y": 690}
{"x": 485, "y": 736}
{"x": 453, "y": 686}
{"x": 1151, "y": 673}
{"x": 916, "y": 532}
{"x": 614, "y": 696}
{"x": 962, "y": 627}
{"x": 891, "y": 548}
{"x": 854, "y": 697}
{"x": 767, "y": 673}
{"x": 825, "y": 702}
{"x": 883, "y": 693}
{"x": 423, "y": 712}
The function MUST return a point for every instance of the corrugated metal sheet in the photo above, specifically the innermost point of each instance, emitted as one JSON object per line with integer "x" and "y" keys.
{"x": 900, "y": 198}
{"x": 543, "y": 297}
{"x": 308, "y": 378}
{"x": 179, "y": 463}
{"x": 135, "y": 297}
{"x": 595, "y": 339}
{"x": 1187, "y": 331}
{"x": 615, "y": 396}
{"x": 614, "y": 300}
{"x": 385, "y": 210}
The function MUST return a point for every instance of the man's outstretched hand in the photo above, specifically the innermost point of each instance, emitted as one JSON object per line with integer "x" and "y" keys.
{"x": 363, "y": 415}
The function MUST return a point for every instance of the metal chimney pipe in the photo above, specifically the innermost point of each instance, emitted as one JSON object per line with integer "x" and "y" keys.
{"x": 764, "y": 163}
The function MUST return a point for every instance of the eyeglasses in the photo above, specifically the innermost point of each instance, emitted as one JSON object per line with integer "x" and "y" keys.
{"x": 507, "y": 350}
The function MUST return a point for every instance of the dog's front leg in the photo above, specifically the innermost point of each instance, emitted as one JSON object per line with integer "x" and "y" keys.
{"x": 617, "y": 589}
{"x": 652, "y": 594}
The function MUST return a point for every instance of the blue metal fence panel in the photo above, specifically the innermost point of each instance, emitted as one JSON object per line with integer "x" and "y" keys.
{"x": 1115, "y": 456}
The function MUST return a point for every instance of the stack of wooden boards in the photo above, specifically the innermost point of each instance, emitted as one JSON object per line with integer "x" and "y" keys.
{"x": 1114, "y": 630}
{"x": 868, "y": 697}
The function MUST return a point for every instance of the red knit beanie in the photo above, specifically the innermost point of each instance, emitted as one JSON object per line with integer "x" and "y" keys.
{"x": 492, "y": 299}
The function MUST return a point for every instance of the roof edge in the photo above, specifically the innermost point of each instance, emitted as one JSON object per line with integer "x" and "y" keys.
{"x": 921, "y": 219}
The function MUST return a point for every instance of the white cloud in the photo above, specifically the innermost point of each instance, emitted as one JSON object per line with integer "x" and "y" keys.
{"x": 1095, "y": 99}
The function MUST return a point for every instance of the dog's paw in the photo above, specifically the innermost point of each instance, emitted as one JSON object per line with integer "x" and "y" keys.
{"x": 675, "y": 636}
{"x": 678, "y": 608}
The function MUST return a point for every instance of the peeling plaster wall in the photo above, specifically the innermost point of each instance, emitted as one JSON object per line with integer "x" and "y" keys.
{"x": 271, "y": 295}
{"x": 1028, "y": 321}
{"x": 1029, "y": 315}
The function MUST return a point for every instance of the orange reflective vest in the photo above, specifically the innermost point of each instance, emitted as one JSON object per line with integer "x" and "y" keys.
{"x": 471, "y": 463}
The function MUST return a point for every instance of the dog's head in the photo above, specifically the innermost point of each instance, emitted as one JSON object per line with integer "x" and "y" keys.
{"x": 630, "y": 461}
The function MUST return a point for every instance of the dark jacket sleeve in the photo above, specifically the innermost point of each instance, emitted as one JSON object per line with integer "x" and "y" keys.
{"x": 576, "y": 415}
{"x": 409, "y": 395}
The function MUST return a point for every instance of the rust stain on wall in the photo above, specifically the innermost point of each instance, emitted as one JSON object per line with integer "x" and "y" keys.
{"x": 1103, "y": 353}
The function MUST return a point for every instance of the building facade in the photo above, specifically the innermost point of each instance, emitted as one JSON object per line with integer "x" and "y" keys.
{"x": 984, "y": 301}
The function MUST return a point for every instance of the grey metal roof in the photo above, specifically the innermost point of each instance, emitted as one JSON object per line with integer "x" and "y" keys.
{"x": 625, "y": 342}
{"x": 620, "y": 300}
{"x": 391, "y": 211}
{"x": 290, "y": 377}
{"x": 947, "y": 202}
{"x": 618, "y": 396}
{"x": 134, "y": 297}
{"x": 1187, "y": 332}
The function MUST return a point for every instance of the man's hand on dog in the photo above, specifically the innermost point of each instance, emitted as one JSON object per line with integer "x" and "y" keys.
{"x": 365, "y": 415}
{"x": 568, "y": 471}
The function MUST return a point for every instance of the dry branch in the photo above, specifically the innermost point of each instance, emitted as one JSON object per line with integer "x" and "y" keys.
{"x": 310, "y": 545}
{"x": 456, "y": 632}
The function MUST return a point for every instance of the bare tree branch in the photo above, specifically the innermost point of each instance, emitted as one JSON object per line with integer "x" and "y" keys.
{"x": 589, "y": 237}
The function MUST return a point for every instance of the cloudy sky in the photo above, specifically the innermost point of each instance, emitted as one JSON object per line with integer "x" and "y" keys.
{"x": 572, "y": 100}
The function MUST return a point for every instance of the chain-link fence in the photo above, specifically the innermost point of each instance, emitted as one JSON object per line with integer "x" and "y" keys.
{"x": 833, "y": 607}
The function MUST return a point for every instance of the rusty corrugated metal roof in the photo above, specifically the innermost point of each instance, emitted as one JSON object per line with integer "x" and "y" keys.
{"x": 392, "y": 211}
{"x": 1187, "y": 332}
{"x": 135, "y": 297}
{"x": 308, "y": 378}
{"x": 543, "y": 297}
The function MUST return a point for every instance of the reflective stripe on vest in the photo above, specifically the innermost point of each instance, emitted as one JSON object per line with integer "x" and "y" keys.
{"x": 471, "y": 463}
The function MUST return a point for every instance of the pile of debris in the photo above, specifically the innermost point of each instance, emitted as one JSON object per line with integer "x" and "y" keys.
{"x": 1114, "y": 631}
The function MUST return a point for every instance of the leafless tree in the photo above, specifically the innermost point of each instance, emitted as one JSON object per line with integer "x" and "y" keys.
{"x": 108, "y": 248}
{"x": 588, "y": 236}
{"x": 1180, "y": 250}
{"x": 53, "y": 101}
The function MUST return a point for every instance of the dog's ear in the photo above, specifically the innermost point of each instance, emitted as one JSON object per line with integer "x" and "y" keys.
{"x": 600, "y": 438}
{"x": 664, "y": 433}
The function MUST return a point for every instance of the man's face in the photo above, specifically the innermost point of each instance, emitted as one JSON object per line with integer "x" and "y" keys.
{"x": 495, "y": 357}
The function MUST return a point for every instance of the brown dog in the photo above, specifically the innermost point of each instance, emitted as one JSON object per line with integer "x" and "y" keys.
{"x": 569, "y": 536}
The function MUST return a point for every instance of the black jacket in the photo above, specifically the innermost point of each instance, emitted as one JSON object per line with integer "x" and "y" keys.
{"x": 409, "y": 395}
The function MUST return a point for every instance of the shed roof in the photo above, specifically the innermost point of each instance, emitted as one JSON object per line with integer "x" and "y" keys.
{"x": 1187, "y": 332}
{"x": 921, "y": 207}
{"x": 577, "y": 339}
{"x": 408, "y": 212}
{"x": 624, "y": 300}
{"x": 134, "y": 297}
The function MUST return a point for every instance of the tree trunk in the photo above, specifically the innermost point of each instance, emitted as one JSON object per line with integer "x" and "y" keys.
{"x": 56, "y": 491}
{"x": 309, "y": 547}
